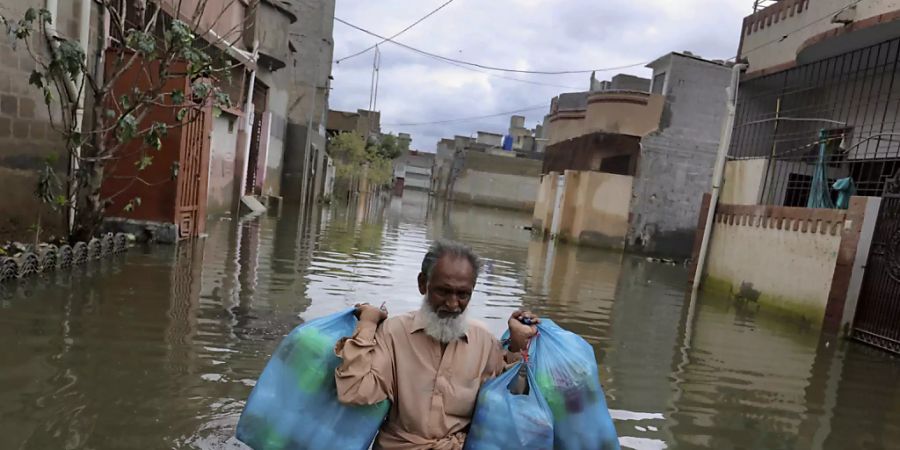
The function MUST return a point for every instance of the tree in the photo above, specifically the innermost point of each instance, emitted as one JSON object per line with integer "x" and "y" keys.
{"x": 387, "y": 147}
{"x": 349, "y": 153}
{"x": 352, "y": 159}
{"x": 164, "y": 49}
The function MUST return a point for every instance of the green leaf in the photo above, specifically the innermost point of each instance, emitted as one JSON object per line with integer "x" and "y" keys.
{"x": 45, "y": 15}
{"x": 201, "y": 88}
{"x": 223, "y": 99}
{"x": 31, "y": 14}
{"x": 61, "y": 200}
{"x": 216, "y": 112}
{"x": 144, "y": 162}
{"x": 125, "y": 101}
{"x": 129, "y": 207}
{"x": 181, "y": 114}
{"x": 140, "y": 41}
{"x": 48, "y": 96}
{"x": 110, "y": 114}
{"x": 70, "y": 57}
{"x": 127, "y": 128}
{"x": 177, "y": 96}
{"x": 36, "y": 79}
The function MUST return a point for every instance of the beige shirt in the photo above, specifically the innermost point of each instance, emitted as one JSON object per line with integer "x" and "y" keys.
{"x": 432, "y": 392}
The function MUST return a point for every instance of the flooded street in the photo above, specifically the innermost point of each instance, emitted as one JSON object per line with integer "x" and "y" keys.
{"x": 159, "y": 348}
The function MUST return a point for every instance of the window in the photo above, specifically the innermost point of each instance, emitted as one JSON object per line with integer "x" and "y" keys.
{"x": 659, "y": 82}
{"x": 619, "y": 165}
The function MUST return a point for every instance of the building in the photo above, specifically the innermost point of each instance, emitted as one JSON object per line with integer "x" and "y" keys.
{"x": 627, "y": 162}
{"x": 306, "y": 161}
{"x": 366, "y": 124}
{"x": 417, "y": 169}
{"x": 217, "y": 160}
{"x": 208, "y": 167}
{"x": 481, "y": 171}
{"x": 816, "y": 105}
{"x": 27, "y": 139}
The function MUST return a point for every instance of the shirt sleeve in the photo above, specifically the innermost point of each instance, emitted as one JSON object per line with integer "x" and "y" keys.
{"x": 499, "y": 360}
{"x": 366, "y": 373}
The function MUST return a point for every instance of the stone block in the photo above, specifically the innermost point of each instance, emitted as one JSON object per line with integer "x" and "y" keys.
{"x": 6, "y": 52}
{"x": 26, "y": 64}
{"x": 9, "y": 105}
{"x": 38, "y": 130}
{"x": 26, "y": 108}
{"x": 20, "y": 129}
{"x": 5, "y": 127}
{"x": 5, "y": 82}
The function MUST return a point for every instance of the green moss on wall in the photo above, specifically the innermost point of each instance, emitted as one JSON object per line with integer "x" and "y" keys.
{"x": 790, "y": 308}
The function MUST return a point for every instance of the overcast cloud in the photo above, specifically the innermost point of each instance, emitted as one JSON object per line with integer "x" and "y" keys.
{"x": 523, "y": 34}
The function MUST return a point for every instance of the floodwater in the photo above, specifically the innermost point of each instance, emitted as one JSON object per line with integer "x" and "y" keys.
{"x": 159, "y": 348}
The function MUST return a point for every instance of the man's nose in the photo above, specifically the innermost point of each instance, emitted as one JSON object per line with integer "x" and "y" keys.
{"x": 452, "y": 303}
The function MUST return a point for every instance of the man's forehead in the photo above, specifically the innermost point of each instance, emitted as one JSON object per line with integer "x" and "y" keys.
{"x": 454, "y": 265}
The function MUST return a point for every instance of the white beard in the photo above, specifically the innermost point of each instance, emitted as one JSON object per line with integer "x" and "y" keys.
{"x": 444, "y": 330}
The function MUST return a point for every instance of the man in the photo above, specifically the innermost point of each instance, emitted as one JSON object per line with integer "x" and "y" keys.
{"x": 429, "y": 363}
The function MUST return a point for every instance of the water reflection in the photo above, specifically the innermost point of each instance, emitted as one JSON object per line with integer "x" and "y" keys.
{"x": 159, "y": 348}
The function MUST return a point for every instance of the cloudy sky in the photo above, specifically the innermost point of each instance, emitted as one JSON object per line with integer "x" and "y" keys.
{"x": 541, "y": 35}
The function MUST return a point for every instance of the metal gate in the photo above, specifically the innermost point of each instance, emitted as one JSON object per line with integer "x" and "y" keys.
{"x": 878, "y": 311}
{"x": 253, "y": 157}
{"x": 193, "y": 172}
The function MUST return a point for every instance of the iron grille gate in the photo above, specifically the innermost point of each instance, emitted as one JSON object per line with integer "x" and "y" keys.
{"x": 878, "y": 311}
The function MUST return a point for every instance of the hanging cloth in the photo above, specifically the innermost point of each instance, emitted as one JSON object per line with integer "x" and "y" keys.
{"x": 846, "y": 189}
{"x": 819, "y": 191}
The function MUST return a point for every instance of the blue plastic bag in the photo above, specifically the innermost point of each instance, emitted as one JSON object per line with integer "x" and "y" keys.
{"x": 566, "y": 373}
{"x": 294, "y": 405}
{"x": 505, "y": 420}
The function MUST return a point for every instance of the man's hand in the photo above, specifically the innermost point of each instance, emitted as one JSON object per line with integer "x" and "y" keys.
{"x": 522, "y": 327}
{"x": 368, "y": 313}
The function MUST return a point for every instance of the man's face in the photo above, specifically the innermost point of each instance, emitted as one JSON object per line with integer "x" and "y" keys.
{"x": 450, "y": 288}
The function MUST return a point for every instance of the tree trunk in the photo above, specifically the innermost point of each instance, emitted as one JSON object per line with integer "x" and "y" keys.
{"x": 91, "y": 207}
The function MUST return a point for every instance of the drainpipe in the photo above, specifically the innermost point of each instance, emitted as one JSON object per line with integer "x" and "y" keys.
{"x": 719, "y": 171}
{"x": 248, "y": 127}
{"x": 84, "y": 37}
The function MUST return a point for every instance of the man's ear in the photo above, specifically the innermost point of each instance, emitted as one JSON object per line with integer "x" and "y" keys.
{"x": 423, "y": 283}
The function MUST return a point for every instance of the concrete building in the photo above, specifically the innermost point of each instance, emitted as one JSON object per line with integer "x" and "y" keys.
{"x": 817, "y": 105}
{"x": 663, "y": 144}
{"x": 417, "y": 168}
{"x": 366, "y": 124}
{"x": 306, "y": 160}
{"x": 485, "y": 179}
{"x": 446, "y": 163}
{"x": 26, "y": 137}
{"x": 219, "y": 159}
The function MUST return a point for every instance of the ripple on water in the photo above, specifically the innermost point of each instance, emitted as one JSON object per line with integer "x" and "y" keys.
{"x": 160, "y": 348}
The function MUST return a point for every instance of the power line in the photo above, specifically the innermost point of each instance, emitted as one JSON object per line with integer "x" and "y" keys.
{"x": 398, "y": 33}
{"x": 483, "y": 66}
{"x": 466, "y": 119}
{"x": 494, "y": 75}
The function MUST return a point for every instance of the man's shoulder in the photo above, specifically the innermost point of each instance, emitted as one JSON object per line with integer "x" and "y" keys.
{"x": 479, "y": 330}
{"x": 398, "y": 323}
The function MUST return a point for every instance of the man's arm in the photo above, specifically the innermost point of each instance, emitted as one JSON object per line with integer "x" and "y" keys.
{"x": 366, "y": 375}
{"x": 519, "y": 335}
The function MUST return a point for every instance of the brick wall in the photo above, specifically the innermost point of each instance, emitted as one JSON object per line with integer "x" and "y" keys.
{"x": 26, "y": 137}
{"x": 676, "y": 164}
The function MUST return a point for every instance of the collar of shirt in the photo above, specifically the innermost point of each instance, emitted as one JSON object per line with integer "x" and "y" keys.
{"x": 419, "y": 324}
